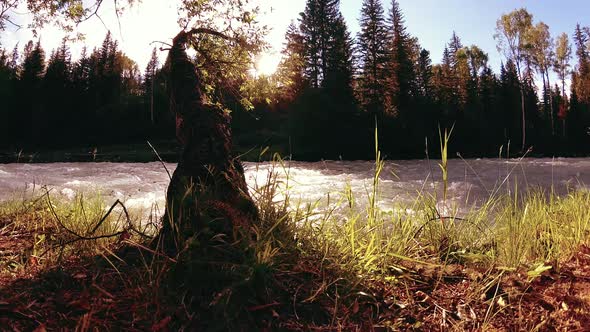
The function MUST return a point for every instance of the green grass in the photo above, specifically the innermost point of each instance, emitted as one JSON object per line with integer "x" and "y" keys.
{"x": 59, "y": 229}
{"x": 328, "y": 261}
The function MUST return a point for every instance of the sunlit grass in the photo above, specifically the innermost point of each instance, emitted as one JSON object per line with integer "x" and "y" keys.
{"x": 53, "y": 229}
{"x": 516, "y": 230}
{"x": 334, "y": 251}
{"x": 520, "y": 229}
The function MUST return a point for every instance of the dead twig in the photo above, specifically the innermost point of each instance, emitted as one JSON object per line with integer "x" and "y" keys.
{"x": 117, "y": 202}
{"x": 79, "y": 237}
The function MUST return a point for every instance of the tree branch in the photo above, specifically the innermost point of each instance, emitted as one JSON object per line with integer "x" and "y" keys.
{"x": 208, "y": 31}
{"x": 4, "y": 9}
{"x": 96, "y": 6}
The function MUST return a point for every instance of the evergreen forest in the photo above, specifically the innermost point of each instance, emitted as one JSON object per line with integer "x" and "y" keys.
{"x": 329, "y": 92}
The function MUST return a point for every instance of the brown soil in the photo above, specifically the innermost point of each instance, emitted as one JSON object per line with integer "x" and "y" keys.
{"x": 91, "y": 293}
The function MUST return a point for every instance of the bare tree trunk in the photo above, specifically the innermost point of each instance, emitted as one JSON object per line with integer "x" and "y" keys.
{"x": 551, "y": 104}
{"x": 208, "y": 189}
{"x": 545, "y": 102}
{"x": 522, "y": 106}
{"x": 152, "y": 97}
{"x": 564, "y": 100}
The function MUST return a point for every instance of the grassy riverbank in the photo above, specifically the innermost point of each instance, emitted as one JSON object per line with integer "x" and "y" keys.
{"x": 517, "y": 262}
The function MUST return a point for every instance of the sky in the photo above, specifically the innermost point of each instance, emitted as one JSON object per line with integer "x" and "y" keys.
{"x": 432, "y": 21}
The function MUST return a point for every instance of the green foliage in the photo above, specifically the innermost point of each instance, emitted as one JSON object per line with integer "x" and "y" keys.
{"x": 400, "y": 69}
{"x": 511, "y": 32}
{"x": 511, "y": 231}
{"x": 563, "y": 54}
{"x": 64, "y": 229}
{"x": 312, "y": 259}
{"x": 290, "y": 72}
{"x": 390, "y": 76}
{"x": 324, "y": 42}
{"x": 371, "y": 45}
{"x": 65, "y": 14}
{"x": 444, "y": 151}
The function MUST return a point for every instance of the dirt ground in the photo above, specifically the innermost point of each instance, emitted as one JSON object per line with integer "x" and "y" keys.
{"x": 95, "y": 293}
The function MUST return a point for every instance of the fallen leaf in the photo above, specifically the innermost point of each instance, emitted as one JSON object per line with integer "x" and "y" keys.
{"x": 355, "y": 307}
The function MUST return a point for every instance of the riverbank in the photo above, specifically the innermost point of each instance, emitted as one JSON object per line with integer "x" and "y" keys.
{"x": 245, "y": 147}
{"x": 516, "y": 263}
{"x": 131, "y": 152}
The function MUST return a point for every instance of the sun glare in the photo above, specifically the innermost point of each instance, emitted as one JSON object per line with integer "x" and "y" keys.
{"x": 267, "y": 64}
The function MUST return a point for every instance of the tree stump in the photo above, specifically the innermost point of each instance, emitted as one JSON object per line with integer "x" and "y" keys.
{"x": 208, "y": 189}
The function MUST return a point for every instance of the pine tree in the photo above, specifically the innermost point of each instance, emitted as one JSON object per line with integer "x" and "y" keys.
{"x": 57, "y": 89}
{"x": 82, "y": 99}
{"x": 583, "y": 68}
{"x": 13, "y": 64}
{"x": 290, "y": 71}
{"x": 425, "y": 119}
{"x": 149, "y": 82}
{"x": 6, "y": 96}
{"x": 424, "y": 75}
{"x": 510, "y": 92}
{"x": 328, "y": 107}
{"x": 578, "y": 120}
{"x": 339, "y": 69}
{"x": 400, "y": 70}
{"x": 33, "y": 69}
{"x": 81, "y": 71}
{"x": 316, "y": 23}
{"x": 454, "y": 45}
{"x": 57, "y": 75}
{"x": 446, "y": 89}
{"x": 373, "y": 56}
{"x": 489, "y": 87}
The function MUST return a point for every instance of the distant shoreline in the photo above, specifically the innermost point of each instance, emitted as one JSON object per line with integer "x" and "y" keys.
{"x": 169, "y": 152}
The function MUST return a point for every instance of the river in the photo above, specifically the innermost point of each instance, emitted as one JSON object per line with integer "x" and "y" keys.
{"x": 143, "y": 185}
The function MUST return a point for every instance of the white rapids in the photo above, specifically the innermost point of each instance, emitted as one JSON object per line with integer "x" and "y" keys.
{"x": 143, "y": 185}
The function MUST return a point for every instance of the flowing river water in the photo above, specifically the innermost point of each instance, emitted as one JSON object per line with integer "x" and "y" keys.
{"x": 143, "y": 185}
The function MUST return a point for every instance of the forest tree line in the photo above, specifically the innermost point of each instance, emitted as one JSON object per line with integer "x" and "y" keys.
{"x": 329, "y": 92}
{"x": 337, "y": 85}
{"x": 52, "y": 101}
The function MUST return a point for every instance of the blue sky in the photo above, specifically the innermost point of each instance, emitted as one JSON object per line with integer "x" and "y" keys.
{"x": 432, "y": 21}
{"x": 474, "y": 21}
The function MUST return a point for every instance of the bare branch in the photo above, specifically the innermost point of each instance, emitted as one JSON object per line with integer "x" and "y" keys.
{"x": 101, "y": 21}
{"x": 18, "y": 26}
{"x": 161, "y": 42}
{"x": 118, "y": 20}
{"x": 96, "y": 6}
{"x": 4, "y": 14}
